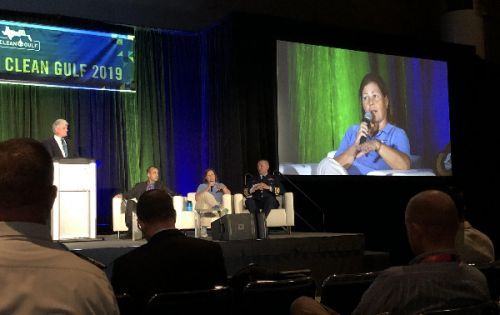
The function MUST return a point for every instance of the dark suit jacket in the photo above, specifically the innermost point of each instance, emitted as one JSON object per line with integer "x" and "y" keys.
{"x": 170, "y": 261}
{"x": 269, "y": 179}
{"x": 54, "y": 151}
{"x": 140, "y": 188}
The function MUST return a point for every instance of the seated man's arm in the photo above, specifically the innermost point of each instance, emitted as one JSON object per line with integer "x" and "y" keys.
{"x": 249, "y": 189}
{"x": 132, "y": 193}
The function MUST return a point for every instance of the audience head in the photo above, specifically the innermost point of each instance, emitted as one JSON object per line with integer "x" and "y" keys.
{"x": 27, "y": 192}
{"x": 153, "y": 174}
{"x": 155, "y": 211}
{"x": 60, "y": 128}
{"x": 209, "y": 175}
{"x": 263, "y": 167}
{"x": 431, "y": 222}
{"x": 374, "y": 96}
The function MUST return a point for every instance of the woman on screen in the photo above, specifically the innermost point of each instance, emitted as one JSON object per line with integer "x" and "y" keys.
{"x": 375, "y": 144}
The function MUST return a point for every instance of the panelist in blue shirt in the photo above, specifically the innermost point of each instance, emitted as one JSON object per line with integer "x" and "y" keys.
{"x": 209, "y": 193}
{"x": 375, "y": 144}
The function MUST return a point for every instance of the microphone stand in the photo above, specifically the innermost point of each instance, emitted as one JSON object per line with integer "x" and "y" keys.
{"x": 323, "y": 216}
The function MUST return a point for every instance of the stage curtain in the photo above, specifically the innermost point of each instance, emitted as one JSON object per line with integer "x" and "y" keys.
{"x": 146, "y": 122}
{"x": 249, "y": 129}
{"x": 96, "y": 125}
{"x": 185, "y": 115}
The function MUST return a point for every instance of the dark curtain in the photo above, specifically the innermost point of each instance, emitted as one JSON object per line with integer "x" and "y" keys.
{"x": 251, "y": 128}
{"x": 185, "y": 122}
{"x": 223, "y": 141}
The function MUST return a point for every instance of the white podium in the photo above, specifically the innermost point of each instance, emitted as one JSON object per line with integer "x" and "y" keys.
{"x": 74, "y": 211}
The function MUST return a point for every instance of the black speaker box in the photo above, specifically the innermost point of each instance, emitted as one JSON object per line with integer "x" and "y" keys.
{"x": 231, "y": 227}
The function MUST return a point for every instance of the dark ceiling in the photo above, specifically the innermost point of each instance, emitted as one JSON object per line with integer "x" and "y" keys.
{"x": 420, "y": 19}
{"x": 411, "y": 16}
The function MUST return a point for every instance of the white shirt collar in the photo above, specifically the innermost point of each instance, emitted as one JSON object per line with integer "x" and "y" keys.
{"x": 59, "y": 144}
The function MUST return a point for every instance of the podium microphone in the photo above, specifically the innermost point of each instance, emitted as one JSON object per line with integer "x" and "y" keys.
{"x": 367, "y": 118}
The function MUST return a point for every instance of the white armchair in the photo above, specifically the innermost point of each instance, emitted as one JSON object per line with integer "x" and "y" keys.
{"x": 281, "y": 217}
{"x": 119, "y": 207}
{"x": 118, "y": 215}
{"x": 185, "y": 219}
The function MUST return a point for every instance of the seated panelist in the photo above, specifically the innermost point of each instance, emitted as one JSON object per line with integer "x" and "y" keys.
{"x": 153, "y": 182}
{"x": 260, "y": 192}
{"x": 209, "y": 193}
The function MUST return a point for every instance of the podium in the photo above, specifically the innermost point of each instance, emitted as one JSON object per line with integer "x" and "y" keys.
{"x": 74, "y": 211}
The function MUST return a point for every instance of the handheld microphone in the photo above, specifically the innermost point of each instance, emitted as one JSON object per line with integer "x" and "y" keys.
{"x": 247, "y": 176}
{"x": 367, "y": 118}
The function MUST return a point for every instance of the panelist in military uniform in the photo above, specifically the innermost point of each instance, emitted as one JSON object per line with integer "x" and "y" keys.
{"x": 260, "y": 192}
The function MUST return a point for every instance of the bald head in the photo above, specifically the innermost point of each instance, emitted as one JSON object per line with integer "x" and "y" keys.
{"x": 26, "y": 177}
{"x": 431, "y": 221}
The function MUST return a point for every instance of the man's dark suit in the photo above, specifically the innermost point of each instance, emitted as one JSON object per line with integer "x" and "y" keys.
{"x": 54, "y": 151}
{"x": 136, "y": 192}
{"x": 140, "y": 188}
{"x": 170, "y": 261}
{"x": 263, "y": 199}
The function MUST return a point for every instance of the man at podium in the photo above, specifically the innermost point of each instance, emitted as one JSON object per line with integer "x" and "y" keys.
{"x": 153, "y": 182}
{"x": 59, "y": 146}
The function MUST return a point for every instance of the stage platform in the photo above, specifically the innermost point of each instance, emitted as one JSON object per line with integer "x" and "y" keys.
{"x": 323, "y": 253}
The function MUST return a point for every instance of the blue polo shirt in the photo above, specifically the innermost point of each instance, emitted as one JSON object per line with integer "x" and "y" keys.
{"x": 216, "y": 193}
{"x": 391, "y": 136}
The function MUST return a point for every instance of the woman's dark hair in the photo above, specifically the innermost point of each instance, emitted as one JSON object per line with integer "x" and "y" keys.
{"x": 206, "y": 172}
{"x": 375, "y": 78}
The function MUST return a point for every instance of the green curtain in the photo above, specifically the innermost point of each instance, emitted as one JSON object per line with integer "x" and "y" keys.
{"x": 145, "y": 119}
{"x": 324, "y": 78}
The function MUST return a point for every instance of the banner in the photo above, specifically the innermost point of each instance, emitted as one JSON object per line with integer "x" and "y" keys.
{"x": 48, "y": 55}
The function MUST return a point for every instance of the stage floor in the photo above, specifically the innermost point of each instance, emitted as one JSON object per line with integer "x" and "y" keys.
{"x": 323, "y": 253}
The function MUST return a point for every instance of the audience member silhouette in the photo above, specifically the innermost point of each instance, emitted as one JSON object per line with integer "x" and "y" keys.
{"x": 472, "y": 245}
{"x": 170, "y": 261}
{"x": 37, "y": 275}
{"x": 435, "y": 278}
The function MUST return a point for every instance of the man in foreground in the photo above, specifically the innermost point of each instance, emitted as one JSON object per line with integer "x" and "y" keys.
{"x": 435, "y": 278}
{"x": 37, "y": 275}
{"x": 170, "y": 261}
